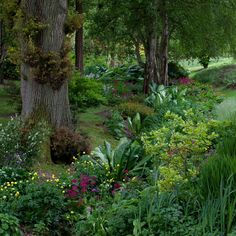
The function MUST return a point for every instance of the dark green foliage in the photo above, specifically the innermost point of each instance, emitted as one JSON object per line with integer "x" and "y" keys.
{"x": 121, "y": 216}
{"x": 217, "y": 170}
{"x": 41, "y": 202}
{"x": 10, "y": 70}
{"x": 66, "y": 144}
{"x": 176, "y": 71}
{"x": 8, "y": 174}
{"x": 85, "y": 92}
{"x": 204, "y": 60}
{"x": 116, "y": 124}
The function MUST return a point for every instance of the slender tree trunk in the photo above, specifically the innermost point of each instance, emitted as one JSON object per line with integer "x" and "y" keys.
{"x": 79, "y": 41}
{"x": 163, "y": 52}
{"x": 40, "y": 98}
{"x": 151, "y": 72}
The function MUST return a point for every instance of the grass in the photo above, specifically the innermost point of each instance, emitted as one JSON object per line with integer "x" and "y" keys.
{"x": 7, "y": 105}
{"x": 194, "y": 67}
{"x": 91, "y": 123}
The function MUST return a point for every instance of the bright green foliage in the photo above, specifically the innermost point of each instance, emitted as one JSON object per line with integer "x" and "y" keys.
{"x": 9, "y": 225}
{"x": 163, "y": 96}
{"x": 113, "y": 164}
{"x": 85, "y": 92}
{"x": 177, "y": 145}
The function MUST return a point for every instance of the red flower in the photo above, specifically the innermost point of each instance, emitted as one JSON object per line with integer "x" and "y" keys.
{"x": 72, "y": 193}
{"x": 117, "y": 186}
{"x": 74, "y": 181}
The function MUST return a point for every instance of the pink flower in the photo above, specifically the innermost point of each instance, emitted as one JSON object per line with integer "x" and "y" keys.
{"x": 185, "y": 80}
{"x": 74, "y": 188}
{"x": 74, "y": 181}
{"x": 72, "y": 193}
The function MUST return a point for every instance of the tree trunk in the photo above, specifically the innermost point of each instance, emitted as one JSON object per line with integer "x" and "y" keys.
{"x": 79, "y": 41}
{"x": 41, "y": 98}
{"x": 163, "y": 52}
{"x": 151, "y": 72}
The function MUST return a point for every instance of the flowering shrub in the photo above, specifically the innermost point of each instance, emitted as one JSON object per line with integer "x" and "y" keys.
{"x": 20, "y": 145}
{"x": 185, "y": 80}
{"x": 177, "y": 146}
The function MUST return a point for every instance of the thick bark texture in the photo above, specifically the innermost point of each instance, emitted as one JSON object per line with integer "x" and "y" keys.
{"x": 163, "y": 52}
{"x": 79, "y": 41}
{"x": 38, "y": 97}
{"x": 151, "y": 70}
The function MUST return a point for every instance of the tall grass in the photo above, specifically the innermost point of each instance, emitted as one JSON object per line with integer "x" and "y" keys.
{"x": 226, "y": 110}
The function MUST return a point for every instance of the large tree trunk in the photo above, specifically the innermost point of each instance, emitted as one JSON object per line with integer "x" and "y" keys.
{"x": 163, "y": 52}
{"x": 79, "y": 41}
{"x": 41, "y": 98}
{"x": 151, "y": 71}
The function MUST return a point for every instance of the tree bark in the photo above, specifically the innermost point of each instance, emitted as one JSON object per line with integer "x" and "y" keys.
{"x": 37, "y": 97}
{"x": 151, "y": 70}
{"x": 79, "y": 41}
{"x": 163, "y": 52}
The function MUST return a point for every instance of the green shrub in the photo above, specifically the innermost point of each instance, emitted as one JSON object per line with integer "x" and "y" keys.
{"x": 9, "y": 225}
{"x": 66, "y": 144}
{"x": 132, "y": 108}
{"x": 204, "y": 60}
{"x": 8, "y": 174}
{"x": 41, "y": 203}
{"x": 116, "y": 125}
{"x": 85, "y": 92}
{"x": 19, "y": 144}
{"x": 10, "y": 70}
{"x": 178, "y": 146}
{"x": 176, "y": 71}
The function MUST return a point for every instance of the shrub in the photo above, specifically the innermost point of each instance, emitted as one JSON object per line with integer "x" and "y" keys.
{"x": 116, "y": 125}
{"x": 10, "y": 70}
{"x": 204, "y": 60}
{"x": 20, "y": 145}
{"x": 9, "y": 225}
{"x": 177, "y": 147}
{"x": 132, "y": 108}
{"x": 8, "y": 174}
{"x": 176, "y": 71}
{"x": 41, "y": 202}
{"x": 66, "y": 144}
{"x": 85, "y": 92}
